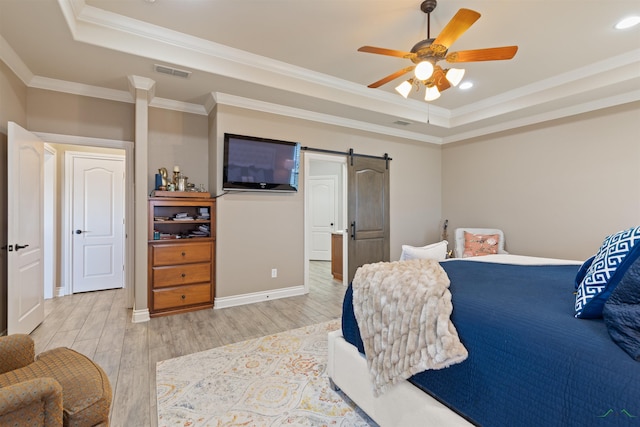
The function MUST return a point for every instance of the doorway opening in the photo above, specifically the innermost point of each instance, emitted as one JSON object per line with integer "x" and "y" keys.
{"x": 60, "y": 144}
{"x": 325, "y": 213}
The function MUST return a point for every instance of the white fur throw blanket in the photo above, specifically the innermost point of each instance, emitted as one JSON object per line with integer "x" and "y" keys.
{"x": 403, "y": 311}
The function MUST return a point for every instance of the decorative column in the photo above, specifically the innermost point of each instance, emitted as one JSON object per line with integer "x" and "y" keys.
{"x": 142, "y": 90}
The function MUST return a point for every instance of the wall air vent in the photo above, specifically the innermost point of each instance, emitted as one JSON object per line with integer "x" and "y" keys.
{"x": 401, "y": 123}
{"x": 164, "y": 69}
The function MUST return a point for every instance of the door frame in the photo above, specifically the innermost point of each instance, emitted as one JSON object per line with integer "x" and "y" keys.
{"x": 68, "y": 208}
{"x": 342, "y": 160}
{"x": 129, "y": 226}
{"x": 51, "y": 289}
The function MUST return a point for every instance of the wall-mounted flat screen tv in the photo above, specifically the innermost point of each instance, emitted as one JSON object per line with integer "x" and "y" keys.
{"x": 259, "y": 164}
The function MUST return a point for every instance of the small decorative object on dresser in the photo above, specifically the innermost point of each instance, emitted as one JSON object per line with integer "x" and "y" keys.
{"x": 181, "y": 254}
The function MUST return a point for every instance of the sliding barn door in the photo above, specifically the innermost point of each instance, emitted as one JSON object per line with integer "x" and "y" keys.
{"x": 368, "y": 212}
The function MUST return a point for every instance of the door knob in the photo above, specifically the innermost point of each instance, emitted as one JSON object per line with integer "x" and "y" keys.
{"x": 18, "y": 247}
{"x": 81, "y": 231}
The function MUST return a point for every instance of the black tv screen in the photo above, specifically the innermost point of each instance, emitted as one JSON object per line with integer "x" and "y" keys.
{"x": 260, "y": 164}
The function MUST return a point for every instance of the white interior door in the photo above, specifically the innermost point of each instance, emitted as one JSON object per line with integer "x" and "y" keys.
{"x": 97, "y": 200}
{"x": 322, "y": 216}
{"x": 25, "y": 230}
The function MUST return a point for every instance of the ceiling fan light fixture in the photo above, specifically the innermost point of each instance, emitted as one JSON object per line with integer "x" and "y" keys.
{"x": 628, "y": 22}
{"x": 423, "y": 70}
{"x": 432, "y": 93}
{"x": 455, "y": 75}
{"x": 426, "y": 54}
{"x": 404, "y": 88}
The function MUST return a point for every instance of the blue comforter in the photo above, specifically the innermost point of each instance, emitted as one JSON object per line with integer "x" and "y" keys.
{"x": 531, "y": 362}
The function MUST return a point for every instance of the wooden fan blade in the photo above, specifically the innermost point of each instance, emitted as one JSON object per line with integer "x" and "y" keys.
{"x": 490, "y": 54}
{"x": 383, "y": 51}
{"x": 440, "y": 80}
{"x": 454, "y": 29}
{"x": 391, "y": 77}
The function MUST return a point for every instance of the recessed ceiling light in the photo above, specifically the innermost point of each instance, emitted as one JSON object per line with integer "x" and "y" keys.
{"x": 628, "y": 22}
{"x": 465, "y": 85}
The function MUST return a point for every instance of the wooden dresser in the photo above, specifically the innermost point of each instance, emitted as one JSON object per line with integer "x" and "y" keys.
{"x": 181, "y": 254}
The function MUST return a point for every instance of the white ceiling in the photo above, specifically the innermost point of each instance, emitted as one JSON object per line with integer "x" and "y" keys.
{"x": 299, "y": 57}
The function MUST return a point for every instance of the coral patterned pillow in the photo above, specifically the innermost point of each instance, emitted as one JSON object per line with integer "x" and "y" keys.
{"x": 480, "y": 244}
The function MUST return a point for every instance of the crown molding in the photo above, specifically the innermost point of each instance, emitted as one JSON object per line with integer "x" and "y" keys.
{"x": 14, "y": 62}
{"x": 98, "y": 27}
{"x": 560, "y": 113}
{"x": 251, "y": 104}
{"x": 56, "y": 138}
{"x": 184, "y": 107}
{"x": 74, "y": 88}
{"x": 92, "y": 25}
{"x": 599, "y": 74}
{"x": 282, "y": 110}
{"x": 88, "y": 24}
{"x": 142, "y": 83}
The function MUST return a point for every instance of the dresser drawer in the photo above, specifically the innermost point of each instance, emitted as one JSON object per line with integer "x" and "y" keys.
{"x": 181, "y": 274}
{"x": 181, "y": 296}
{"x": 171, "y": 254}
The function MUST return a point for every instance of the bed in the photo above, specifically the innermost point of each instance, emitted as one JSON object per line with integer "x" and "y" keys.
{"x": 530, "y": 361}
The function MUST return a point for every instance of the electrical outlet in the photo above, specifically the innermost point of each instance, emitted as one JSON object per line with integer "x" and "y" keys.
{"x": 274, "y": 273}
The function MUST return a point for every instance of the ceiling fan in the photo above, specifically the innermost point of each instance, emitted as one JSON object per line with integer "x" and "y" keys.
{"x": 427, "y": 53}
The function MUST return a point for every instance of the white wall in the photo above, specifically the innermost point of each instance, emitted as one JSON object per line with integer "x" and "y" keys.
{"x": 13, "y": 107}
{"x": 178, "y": 139}
{"x": 258, "y": 232}
{"x": 555, "y": 189}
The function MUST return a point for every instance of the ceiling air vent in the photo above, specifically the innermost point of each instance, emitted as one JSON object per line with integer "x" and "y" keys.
{"x": 171, "y": 71}
{"x": 401, "y": 123}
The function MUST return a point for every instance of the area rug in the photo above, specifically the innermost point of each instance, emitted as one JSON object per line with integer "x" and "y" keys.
{"x": 269, "y": 381}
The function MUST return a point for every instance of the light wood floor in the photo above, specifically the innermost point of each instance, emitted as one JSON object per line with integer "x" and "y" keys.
{"x": 99, "y": 325}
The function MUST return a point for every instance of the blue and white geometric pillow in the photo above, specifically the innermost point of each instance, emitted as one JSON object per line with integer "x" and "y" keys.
{"x": 617, "y": 253}
{"x": 583, "y": 271}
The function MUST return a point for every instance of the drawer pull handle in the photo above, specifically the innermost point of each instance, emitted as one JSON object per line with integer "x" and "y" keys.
{"x": 184, "y": 253}
{"x": 184, "y": 297}
{"x": 183, "y": 275}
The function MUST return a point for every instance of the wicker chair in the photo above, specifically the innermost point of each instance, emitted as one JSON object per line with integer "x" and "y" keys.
{"x": 59, "y": 387}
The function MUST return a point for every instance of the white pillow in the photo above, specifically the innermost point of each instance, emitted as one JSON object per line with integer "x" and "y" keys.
{"x": 437, "y": 251}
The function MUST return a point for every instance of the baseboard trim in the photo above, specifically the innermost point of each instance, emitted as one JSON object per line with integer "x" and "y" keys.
{"x": 225, "y": 302}
{"x": 140, "y": 316}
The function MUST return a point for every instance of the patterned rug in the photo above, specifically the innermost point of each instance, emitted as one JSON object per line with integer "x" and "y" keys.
{"x": 270, "y": 381}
